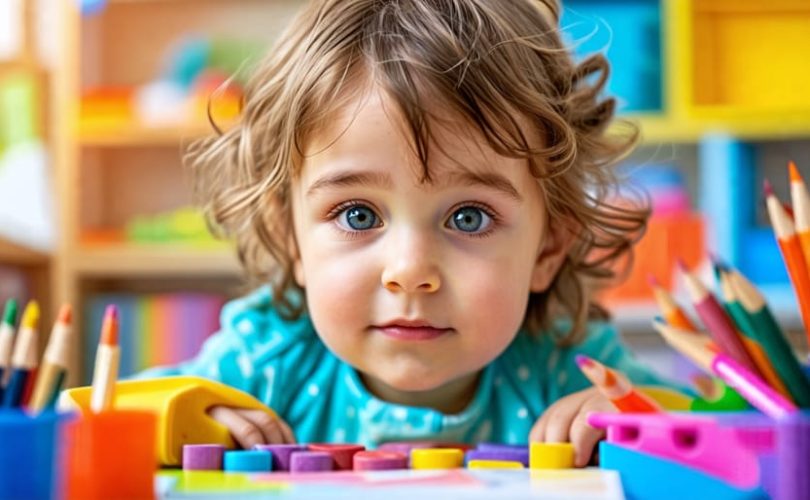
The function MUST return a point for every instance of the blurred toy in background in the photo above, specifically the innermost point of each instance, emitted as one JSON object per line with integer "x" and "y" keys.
{"x": 200, "y": 76}
{"x": 674, "y": 231}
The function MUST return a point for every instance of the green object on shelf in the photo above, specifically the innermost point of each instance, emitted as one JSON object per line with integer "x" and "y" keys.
{"x": 18, "y": 109}
{"x": 185, "y": 225}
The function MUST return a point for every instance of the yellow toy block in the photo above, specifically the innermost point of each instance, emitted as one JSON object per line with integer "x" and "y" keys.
{"x": 181, "y": 404}
{"x": 436, "y": 458}
{"x": 551, "y": 456}
{"x": 494, "y": 464}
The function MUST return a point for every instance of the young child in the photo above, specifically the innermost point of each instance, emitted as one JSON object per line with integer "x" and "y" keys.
{"x": 422, "y": 186}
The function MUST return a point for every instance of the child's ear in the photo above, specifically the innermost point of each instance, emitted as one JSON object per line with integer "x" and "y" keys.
{"x": 554, "y": 248}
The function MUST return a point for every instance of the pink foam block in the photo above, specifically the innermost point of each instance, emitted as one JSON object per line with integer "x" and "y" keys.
{"x": 726, "y": 448}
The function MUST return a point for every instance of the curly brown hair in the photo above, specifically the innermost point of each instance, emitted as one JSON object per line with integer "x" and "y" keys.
{"x": 483, "y": 59}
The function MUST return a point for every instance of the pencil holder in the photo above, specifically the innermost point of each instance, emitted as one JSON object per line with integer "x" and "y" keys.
{"x": 111, "y": 455}
{"x": 29, "y": 451}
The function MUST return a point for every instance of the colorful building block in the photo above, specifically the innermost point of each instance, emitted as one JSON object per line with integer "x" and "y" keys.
{"x": 437, "y": 458}
{"x": 379, "y": 460}
{"x": 551, "y": 456}
{"x": 203, "y": 456}
{"x": 281, "y": 453}
{"x": 311, "y": 461}
{"x": 248, "y": 461}
{"x": 341, "y": 453}
{"x": 494, "y": 464}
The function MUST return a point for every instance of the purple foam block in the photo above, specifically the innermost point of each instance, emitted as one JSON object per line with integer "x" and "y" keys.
{"x": 310, "y": 461}
{"x": 793, "y": 451}
{"x": 505, "y": 454}
{"x": 281, "y": 454}
{"x": 501, "y": 446}
{"x": 203, "y": 456}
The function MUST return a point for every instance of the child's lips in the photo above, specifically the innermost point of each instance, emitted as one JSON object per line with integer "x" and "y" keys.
{"x": 401, "y": 332}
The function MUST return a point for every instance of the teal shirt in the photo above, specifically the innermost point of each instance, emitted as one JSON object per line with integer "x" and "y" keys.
{"x": 286, "y": 366}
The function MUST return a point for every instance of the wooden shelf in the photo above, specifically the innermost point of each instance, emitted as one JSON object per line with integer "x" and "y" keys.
{"x": 139, "y": 135}
{"x": 137, "y": 261}
{"x": 12, "y": 253}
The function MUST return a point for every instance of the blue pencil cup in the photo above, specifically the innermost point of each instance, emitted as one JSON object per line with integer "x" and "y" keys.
{"x": 29, "y": 451}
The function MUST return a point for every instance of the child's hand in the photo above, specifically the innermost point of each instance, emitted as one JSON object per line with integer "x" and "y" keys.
{"x": 251, "y": 427}
{"x": 566, "y": 421}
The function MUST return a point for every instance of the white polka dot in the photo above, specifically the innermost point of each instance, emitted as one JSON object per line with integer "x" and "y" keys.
{"x": 350, "y": 412}
{"x": 400, "y": 413}
{"x": 562, "y": 377}
{"x": 245, "y": 365}
{"x": 313, "y": 390}
{"x": 269, "y": 376}
{"x": 245, "y": 327}
{"x": 523, "y": 413}
{"x": 339, "y": 435}
{"x": 523, "y": 372}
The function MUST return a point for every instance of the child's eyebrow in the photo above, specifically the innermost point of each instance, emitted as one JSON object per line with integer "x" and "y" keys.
{"x": 344, "y": 179}
{"x": 490, "y": 180}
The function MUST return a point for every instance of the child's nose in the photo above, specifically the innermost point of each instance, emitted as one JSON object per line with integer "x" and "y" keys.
{"x": 410, "y": 266}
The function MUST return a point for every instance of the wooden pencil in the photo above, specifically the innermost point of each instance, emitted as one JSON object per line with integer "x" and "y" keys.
{"x": 7, "y": 342}
{"x": 750, "y": 334}
{"x": 772, "y": 338}
{"x": 717, "y": 322}
{"x": 748, "y": 384}
{"x": 23, "y": 358}
{"x": 792, "y": 254}
{"x": 672, "y": 312}
{"x": 108, "y": 354}
{"x": 53, "y": 370}
{"x": 615, "y": 386}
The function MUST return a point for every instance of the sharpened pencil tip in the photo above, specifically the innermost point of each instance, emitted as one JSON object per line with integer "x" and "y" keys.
{"x": 10, "y": 314}
{"x": 65, "y": 314}
{"x": 30, "y": 315}
{"x": 109, "y": 326}
{"x": 582, "y": 360}
{"x": 795, "y": 176}
{"x": 767, "y": 188}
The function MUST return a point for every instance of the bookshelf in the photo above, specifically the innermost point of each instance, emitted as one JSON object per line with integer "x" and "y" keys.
{"x": 110, "y": 171}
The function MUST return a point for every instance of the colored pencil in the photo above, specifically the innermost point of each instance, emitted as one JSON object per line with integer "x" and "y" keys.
{"x": 772, "y": 338}
{"x": 748, "y": 384}
{"x": 7, "y": 342}
{"x": 717, "y": 322}
{"x": 670, "y": 310}
{"x": 53, "y": 369}
{"x": 106, "y": 367}
{"x": 750, "y": 335}
{"x": 616, "y": 387}
{"x": 24, "y": 358}
{"x": 801, "y": 209}
{"x": 790, "y": 246}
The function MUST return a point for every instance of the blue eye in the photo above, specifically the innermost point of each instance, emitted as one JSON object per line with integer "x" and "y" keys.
{"x": 470, "y": 219}
{"x": 358, "y": 218}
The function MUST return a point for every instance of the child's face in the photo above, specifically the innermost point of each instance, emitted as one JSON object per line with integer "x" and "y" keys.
{"x": 417, "y": 285}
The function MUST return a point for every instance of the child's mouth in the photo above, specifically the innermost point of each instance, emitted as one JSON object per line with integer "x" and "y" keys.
{"x": 413, "y": 333}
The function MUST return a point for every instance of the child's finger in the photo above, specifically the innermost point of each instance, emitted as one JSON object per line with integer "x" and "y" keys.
{"x": 538, "y": 432}
{"x": 561, "y": 416}
{"x": 584, "y": 438}
{"x": 268, "y": 424}
{"x": 244, "y": 432}
{"x": 289, "y": 436}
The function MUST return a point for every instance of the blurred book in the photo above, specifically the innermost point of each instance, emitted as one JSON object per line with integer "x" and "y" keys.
{"x": 156, "y": 329}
